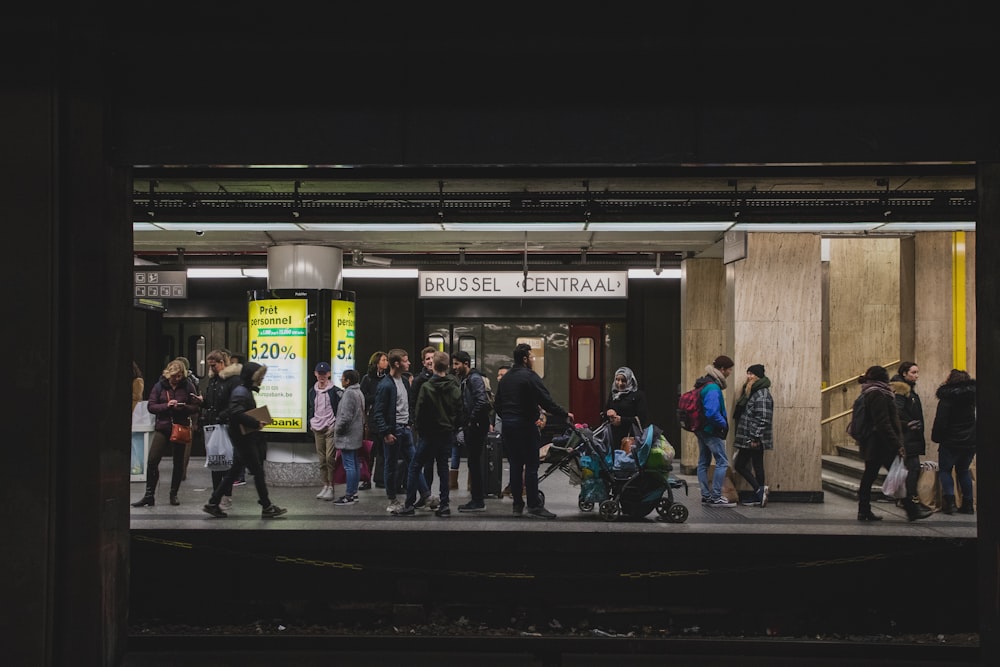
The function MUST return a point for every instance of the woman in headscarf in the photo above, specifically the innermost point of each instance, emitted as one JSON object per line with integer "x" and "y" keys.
{"x": 754, "y": 417}
{"x": 625, "y": 405}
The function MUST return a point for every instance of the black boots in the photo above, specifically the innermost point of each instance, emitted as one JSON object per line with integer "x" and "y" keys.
{"x": 145, "y": 501}
{"x": 948, "y": 504}
{"x": 966, "y": 507}
{"x": 914, "y": 510}
{"x": 173, "y": 499}
{"x": 866, "y": 515}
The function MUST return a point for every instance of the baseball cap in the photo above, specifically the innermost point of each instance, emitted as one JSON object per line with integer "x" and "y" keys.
{"x": 322, "y": 367}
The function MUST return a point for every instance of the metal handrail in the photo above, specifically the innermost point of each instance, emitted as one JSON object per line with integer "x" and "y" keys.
{"x": 841, "y": 384}
{"x": 853, "y": 379}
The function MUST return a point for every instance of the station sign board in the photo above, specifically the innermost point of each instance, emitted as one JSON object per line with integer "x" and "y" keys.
{"x": 152, "y": 284}
{"x": 517, "y": 285}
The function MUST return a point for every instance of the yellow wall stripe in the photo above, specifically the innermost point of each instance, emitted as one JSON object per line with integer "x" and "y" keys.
{"x": 958, "y": 342}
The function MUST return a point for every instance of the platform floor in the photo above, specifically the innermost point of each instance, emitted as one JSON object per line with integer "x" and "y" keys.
{"x": 834, "y": 516}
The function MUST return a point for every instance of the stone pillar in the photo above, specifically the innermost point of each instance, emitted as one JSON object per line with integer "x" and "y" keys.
{"x": 934, "y": 316}
{"x": 294, "y": 462}
{"x": 863, "y": 322}
{"x": 703, "y": 333}
{"x": 777, "y": 321}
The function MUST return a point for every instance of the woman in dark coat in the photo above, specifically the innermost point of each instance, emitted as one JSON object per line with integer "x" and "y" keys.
{"x": 955, "y": 431}
{"x": 378, "y": 366}
{"x": 885, "y": 438}
{"x": 173, "y": 401}
{"x": 626, "y": 404}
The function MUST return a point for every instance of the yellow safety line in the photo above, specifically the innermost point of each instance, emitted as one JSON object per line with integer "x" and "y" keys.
{"x": 958, "y": 344}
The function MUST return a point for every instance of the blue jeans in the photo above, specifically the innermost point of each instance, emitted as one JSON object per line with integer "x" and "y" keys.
{"x": 710, "y": 446}
{"x": 349, "y": 457}
{"x": 960, "y": 460}
{"x": 415, "y": 480}
{"x": 431, "y": 450}
{"x": 402, "y": 447}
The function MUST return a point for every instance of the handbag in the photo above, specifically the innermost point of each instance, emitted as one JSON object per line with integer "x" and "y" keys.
{"x": 180, "y": 434}
{"x": 894, "y": 485}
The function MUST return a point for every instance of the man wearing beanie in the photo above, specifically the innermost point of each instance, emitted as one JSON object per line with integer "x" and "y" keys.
{"x": 754, "y": 417}
{"x": 712, "y": 436}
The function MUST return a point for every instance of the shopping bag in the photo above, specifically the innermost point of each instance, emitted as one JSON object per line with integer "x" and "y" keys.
{"x": 218, "y": 447}
{"x": 340, "y": 475}
{"x": 894, "y": 485}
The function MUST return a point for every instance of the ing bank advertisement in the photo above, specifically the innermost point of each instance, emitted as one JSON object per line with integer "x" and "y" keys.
{"x": 277, "y": 333}
{"x": 341, "y": 338}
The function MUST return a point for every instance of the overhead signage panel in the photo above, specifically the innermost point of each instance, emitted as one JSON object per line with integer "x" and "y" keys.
{"x": 159, "y": 284}
{"x": 515, "y": 285}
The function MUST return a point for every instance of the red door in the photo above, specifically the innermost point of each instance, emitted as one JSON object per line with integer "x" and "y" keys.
{"x": 586, "y": 373}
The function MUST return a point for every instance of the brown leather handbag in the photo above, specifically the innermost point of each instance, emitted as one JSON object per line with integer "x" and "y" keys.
{"x": 180, "y": 433}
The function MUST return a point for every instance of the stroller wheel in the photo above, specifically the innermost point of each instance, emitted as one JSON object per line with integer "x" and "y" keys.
{"x": 677, "y": 513}
{"x": 663, "y": 506}
{"x": 541, "y": 497}
{"x": 609, "y": 510}
{"x": 585, "y": 505}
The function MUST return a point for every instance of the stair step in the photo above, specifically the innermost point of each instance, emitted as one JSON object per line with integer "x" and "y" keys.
{"x": 848, "y": 466}
{"x": 845, "y": 485}
{"x": 849, "y": 450}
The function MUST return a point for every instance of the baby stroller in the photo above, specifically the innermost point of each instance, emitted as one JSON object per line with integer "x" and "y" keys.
{"x": 627, "y": 483}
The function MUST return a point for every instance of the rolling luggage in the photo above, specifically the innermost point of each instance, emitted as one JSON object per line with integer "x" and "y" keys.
{"x": 493, "y": 466}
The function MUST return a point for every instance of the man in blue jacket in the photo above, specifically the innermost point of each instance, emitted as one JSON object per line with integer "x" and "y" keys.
{"x": 712, "y": 436}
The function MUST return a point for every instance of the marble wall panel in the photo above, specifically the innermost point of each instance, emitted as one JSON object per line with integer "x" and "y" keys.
{"x": 704, "y": 332}
{"x": 774, "y": 264}
{"x": 790, "y": 352}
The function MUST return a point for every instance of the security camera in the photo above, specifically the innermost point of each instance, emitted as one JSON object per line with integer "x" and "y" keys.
{"x": 199, "y": 232}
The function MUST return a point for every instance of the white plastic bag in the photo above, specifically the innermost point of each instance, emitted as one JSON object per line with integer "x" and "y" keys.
{"x": 894, "y": 485}
{"x": 218, "y": 447}
{"x": 142, "y": 418}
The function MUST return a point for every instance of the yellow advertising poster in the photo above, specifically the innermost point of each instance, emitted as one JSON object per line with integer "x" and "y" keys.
{"x": 342, "y": 338}
{"x": 277, "y": 339}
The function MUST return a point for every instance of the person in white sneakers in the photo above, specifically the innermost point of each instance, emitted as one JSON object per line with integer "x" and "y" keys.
{"x": 754, "y": 417}
{"x": 321, "y": 409}
{"x": 712, "y": 435}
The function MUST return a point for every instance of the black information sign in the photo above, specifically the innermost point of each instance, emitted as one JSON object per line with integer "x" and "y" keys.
{"x": 160, "y": 284}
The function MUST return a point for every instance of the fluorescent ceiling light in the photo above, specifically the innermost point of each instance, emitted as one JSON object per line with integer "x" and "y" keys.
{"x": 229, "y": 226}
{"x": 813, "y": 227}
{"x": 709, "y": 226}
{"x": 928, "y": 227}
{"x": 651, "y": 273}
{"x": 255, "y": 273}
{"x": 513, "y": 226}
{"x": 144, "y": 227}
{"x": 371, "y": 226}
{"x": 216, "y": 273}
{"x": 379, "y": 273}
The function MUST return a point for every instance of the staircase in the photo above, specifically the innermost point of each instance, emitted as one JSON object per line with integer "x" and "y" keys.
{"x": 842, "y": 472}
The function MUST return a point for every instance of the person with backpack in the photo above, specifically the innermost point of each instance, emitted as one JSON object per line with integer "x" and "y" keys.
{"x": 475, "y": 426}
{"x": 754, "y": 417}
{"x": 321, "y": 415}
{"x": 712, "y": 432}
{"x": 911, "y": 420}
{"x": 875, "y": 426}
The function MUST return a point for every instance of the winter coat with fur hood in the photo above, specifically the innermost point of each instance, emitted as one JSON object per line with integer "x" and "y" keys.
{"x": 910, "y": 410}
{"x": 215, "y": 409}
{"x": 955, "y": 420}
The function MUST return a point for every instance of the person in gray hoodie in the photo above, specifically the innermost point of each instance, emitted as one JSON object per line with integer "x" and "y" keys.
{"x": 349, "y": 431}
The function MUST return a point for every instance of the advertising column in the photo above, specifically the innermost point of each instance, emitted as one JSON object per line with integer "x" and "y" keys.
{"x": 277, "y": 339}
{"x": 341, "y": 336}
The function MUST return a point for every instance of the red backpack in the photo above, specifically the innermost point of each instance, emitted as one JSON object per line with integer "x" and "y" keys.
{"x": 690, "y": 412}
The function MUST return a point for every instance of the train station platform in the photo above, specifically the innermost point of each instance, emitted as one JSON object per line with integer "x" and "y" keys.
{"x": 836, "y": 515}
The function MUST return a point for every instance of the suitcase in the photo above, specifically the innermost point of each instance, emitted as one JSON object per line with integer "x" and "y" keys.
{"x": 493, "y": 466}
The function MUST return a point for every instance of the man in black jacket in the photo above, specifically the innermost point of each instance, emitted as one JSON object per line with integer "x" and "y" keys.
{"x": 475, "y": 426}
{"x": 519, "y": 395}
{"x": 911, "y": 418}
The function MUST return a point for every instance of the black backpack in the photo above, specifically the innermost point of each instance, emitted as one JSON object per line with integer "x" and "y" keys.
{"x": 860, "y": 426}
